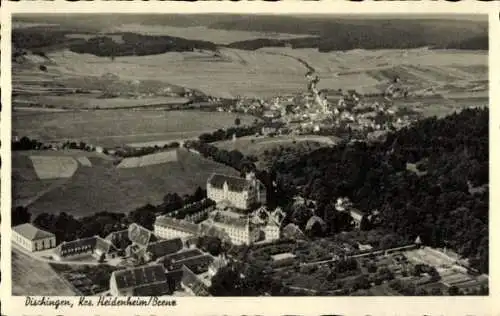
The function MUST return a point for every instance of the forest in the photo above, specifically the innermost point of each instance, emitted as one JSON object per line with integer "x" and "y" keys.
{"x": 445, "y": 202}
{"x": 324, "y": 33}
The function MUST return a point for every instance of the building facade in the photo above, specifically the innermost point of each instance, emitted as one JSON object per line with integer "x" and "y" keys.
{"x": 32, "y": 238}
{"x": 170, "y": 228}
{"x": 242, "y": 193}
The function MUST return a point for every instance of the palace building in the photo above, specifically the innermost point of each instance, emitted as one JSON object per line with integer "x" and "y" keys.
{"x": 241, "y": 193}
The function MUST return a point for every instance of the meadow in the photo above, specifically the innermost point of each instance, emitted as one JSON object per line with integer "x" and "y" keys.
{"x": 120, "y": 127}
{"x": 104, "y": 187}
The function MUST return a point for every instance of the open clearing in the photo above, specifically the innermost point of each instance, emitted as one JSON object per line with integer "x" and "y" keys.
{"x": 103, "y": 187}
{"x": 119, "y": 127}
{"x": 33, "y": 277}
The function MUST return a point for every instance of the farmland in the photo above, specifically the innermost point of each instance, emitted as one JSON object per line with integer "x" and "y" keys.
{"x": 262, "y": 73}
{"x": 32, "y": 277}
{"x": 103, "y": 187}
{"x": 119, "y": 127}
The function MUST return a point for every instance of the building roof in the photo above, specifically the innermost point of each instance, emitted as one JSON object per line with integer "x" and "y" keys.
{"x": 89, "y": 243}
{"x": 139, "y": 235}
{"x": 313, "y": 220}
{"x": 235, "y": 184}
{"x": 197, "y": 264}
{"x": 191, "y": 280}
{"x": 165, "y": 247}
{"x": 221, "y": 218}
{"x": 136, "y": 277}
{"x": 181, "y": 256}
{"x": 356, "y": 214}
{"x": 176, "y": 224}
{"x": 121, "y": 234}
{"x": 283, "y": 256}
{"x": 30, "y": 232}
{"x": 152, "y": 289}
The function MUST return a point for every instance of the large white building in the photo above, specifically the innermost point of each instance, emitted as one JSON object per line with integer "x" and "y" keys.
{"x": 241, "y": 193}
{"x": 32, "y": 238}
{"x": 169, "y": 228}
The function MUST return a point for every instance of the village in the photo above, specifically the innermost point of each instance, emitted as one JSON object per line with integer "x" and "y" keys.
{"x": 166, "y": 261}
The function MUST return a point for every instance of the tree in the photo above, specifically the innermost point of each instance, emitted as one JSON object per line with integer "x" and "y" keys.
{"x": 237, "y": 121}
{"x": 226, "y": 282}
{"x": 453, "y": 291}
{"x": 20, "y": 215}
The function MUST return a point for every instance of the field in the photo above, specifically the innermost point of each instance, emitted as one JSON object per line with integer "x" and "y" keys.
{"x": 262, "y": 73}
{"x": 120, "y": 127}
{"x": 104, "y": 187}
{"x": 149, "y": 160}
{"x": 32, "y": 277}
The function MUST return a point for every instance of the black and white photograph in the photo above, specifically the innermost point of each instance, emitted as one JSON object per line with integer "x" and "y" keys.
{"x": 250, "y": 155}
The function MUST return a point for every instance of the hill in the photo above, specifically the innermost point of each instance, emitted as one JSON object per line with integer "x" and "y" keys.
{"x": 327, "y": 33}
{"x": 103, "y": 187}
{"x": 446, "y": 203}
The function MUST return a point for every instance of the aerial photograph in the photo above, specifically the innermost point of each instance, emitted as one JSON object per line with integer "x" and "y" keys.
{"x": 250, "y": 155}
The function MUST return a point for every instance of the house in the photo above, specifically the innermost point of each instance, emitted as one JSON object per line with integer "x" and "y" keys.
{"x": 139, "y": 235}
{"x": 167, "y": 227}
{"x": 32, "y": 238}
{"x": 96, "y": 247}
{"x": 141, "y": 281}
{"x": 242, "y": 193}
{"x": 357, "y": 217}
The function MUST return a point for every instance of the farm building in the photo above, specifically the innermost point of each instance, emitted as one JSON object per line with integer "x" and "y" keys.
{"x": 32, "y": 238}
{"x": 169, "y": 228}
{"x": 91, "y": 246}
{"x": 141, "y": 281}
{"x": 240, "y": 193}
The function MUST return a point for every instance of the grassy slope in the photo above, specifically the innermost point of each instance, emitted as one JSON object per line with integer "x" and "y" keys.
{"x": 106, "y": 188}
{"x": 32, "y": 277}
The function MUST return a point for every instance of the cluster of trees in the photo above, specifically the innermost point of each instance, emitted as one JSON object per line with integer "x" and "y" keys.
{"x": 138, "y": 45}
{"x": 193, "y": 208}
{"x": 224, "y": 134}
{"x": 142, "y": 151}
{"x": 66, "y": 227}
{"x": 439, "y": 206}
{"x": 26, "y": 143}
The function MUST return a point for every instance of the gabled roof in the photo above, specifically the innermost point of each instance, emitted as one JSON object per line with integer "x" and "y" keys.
{"x": 165, "y": 247}
{"x": 139, "y": 235}
{"x": 190, "y": 280}
{"x": 31, "y": 232}
{"x": 234, "y": 184}
{"x": 121, "y": 234}
{"x": 139, "y": 276}
{"x": 197, "y": 264}
{"x": 84, "y": 244}
{"x": 180, "y": 225}
{"x": 356, "y": 213}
